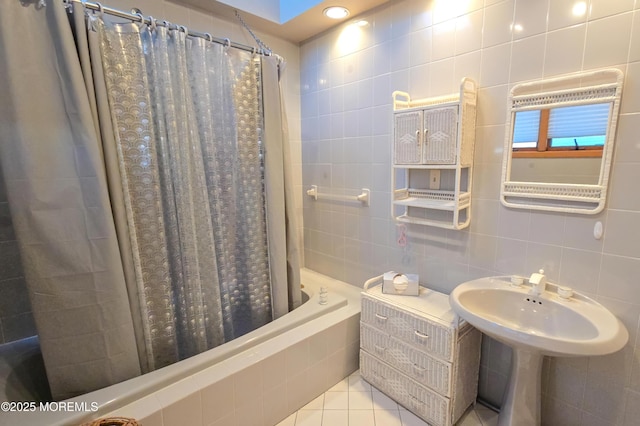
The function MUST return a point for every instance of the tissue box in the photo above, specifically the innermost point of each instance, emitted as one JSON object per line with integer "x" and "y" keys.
{"x": 401, "y": 284}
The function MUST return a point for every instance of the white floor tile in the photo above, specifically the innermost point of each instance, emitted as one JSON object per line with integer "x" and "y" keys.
{"x": 309, "y": 418}
{"x": 335, "y": 418}
{"x": 353, "y": 402}
{"x": 487, "y": 416}
{"x": 336, "y": 401}
{"x": 341, "y": 386}
{"x": 361, "y": 418}
{"x": 382, "y": 401}
{"x": 410, "y": 419}
{"x": 360, "y": 401}
{"x": 470, "y": 418}
{"x": 387, "y": 417}
{"x": 357, "y": 383}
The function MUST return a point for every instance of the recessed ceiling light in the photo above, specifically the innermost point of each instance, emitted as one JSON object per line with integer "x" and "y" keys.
{"x": 336, "y": 12}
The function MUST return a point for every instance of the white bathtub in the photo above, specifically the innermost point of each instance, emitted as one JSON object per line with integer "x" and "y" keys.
{"x": 257, "y": 379}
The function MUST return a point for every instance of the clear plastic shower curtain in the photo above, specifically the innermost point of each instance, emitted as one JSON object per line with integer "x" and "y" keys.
{"x": 187, "y": 118}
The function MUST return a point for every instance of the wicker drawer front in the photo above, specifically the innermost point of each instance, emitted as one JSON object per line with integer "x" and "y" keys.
{"x": 419, "y": 332}
{"x": 424, "y": 402}
{"x": 422, "y": 368}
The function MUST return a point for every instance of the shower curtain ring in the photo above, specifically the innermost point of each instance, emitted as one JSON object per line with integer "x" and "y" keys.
{"x": 227, "y": 43}
{"x": 184, "y": 29}
{"x": 152, "y": 23}
{"x": 139, "y": 15}
{"x": 209, "y": 37}
{"x": 166, "y": 24}
{"x": 100, "y": 9}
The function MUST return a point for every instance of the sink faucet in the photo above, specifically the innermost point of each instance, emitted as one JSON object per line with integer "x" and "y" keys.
{"x": 538, "y": 282}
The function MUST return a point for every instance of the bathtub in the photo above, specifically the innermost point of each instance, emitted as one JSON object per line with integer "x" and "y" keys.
{"x": 257, "y": 379}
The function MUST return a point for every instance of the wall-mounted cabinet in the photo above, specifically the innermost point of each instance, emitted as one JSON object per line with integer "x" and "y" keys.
{"x": 433, "y": 158}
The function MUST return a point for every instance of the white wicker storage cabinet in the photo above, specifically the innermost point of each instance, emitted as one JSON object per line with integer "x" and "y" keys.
{"x": 433, "y": 148}
{"x": 417, "y": 351}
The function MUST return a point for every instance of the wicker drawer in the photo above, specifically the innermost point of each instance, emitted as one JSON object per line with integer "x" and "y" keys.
{"x": 424, "y": 369}
{"x": 424, "y": 402}
{"x": 418, "y": 331}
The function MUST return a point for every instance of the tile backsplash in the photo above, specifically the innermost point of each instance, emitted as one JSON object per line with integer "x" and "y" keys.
{"x": 425, "y": 48}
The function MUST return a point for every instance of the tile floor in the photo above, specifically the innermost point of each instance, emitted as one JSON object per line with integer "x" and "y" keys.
{"x": 354, "y": 402}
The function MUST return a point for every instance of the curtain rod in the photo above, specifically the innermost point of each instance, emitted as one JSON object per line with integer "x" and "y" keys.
{"x": 139, "y": 18}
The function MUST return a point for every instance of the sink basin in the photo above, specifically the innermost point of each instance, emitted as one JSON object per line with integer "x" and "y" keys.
{"x": 579, "y": 326}
{"x": 535, "y": 325}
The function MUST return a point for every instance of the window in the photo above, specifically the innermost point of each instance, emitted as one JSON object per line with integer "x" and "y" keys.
{"x": 574, "y": 131}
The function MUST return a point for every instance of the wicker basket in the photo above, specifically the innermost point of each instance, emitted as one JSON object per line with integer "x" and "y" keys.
{"x": 113, "y": 421}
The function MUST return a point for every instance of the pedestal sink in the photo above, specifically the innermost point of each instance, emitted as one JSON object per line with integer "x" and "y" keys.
{"x": 534, "y": 326}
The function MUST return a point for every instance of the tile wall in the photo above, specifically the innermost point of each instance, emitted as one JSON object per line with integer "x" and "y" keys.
{"x": 16, "y": 320}
{"x": 425, "y": 47}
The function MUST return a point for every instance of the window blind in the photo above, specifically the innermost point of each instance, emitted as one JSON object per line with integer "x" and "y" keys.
{"x": 579, "y": 121}
{"x": 525, "y": 129}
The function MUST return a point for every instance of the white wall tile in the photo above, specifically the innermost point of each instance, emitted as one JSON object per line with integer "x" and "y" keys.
{"x": 422, "y": 16}
{"x": 608, "y": 41}
{"x": 180, "y": 404}
{"x": 511, "y": 257}
{"x": 420, "y": 52}
{"x": 546, "y": 227}
{"x": 485, "y": 215}
{"x": 623, "y": 179}
{"x": 469, "y": 32}
{"x": 565, "y": 13}
{"x": 498, "y": 20}
{"x": 419, "y": 77}
{"x": 527, "y": 58}
{"x": 401, "y": 19}
{"x": 492, "y": 105}
{"x": 400, "y": 54}
{"x": 365, "y": 63}
{"x": 580, "y": 269}
{"x": 274, "y": 406}
{"x": 627, "y": 142}
{"x": 530, "y": 18}
{"x": 631, "y": 99}
{"x": 622, "y": 235}
{"x": 495, "y": 65}
{"x": 482, "y": 251}
{"x": 634, "y": 50}
{"x": 467, "y": 65}
{"x": 544, "y": 256}
{"x": 557, "y": 412}
{"x": 441, "y": 80}
{"x": 619, "y": 278}
{"x": 443, "y": 44}
{"x": 564, "y": 51}
{"x": 602, "y": 8}
{"x": 217, "y": 400}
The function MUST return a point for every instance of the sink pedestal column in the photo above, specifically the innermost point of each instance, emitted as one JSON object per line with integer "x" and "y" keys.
{"x": 521, "y": 401}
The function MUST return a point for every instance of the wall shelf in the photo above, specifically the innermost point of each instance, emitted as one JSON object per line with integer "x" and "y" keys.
{"x": 433, "y": 150}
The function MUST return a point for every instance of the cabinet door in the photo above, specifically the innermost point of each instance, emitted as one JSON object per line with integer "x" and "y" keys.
{"x": 407, "y": 145}
{"x": 441, "y": 135}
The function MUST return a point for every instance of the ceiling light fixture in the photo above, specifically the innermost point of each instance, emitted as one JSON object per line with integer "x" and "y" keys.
{"x": 336, "y": 12}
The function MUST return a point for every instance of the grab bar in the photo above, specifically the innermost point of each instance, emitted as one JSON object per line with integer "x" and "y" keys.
{"x": 364, "y": 197}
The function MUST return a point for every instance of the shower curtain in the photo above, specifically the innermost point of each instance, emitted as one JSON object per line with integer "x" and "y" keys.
{"x": 165, "y": 147}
